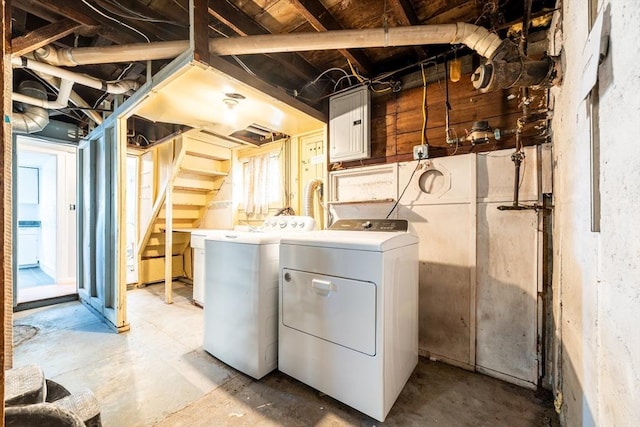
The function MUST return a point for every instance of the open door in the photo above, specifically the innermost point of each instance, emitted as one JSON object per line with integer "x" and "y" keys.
{"x": 101, "y": 241}
{"x": 45, "y": 199}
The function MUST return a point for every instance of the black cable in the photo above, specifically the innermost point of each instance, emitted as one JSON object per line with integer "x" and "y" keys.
{"x": 405, "y": 189}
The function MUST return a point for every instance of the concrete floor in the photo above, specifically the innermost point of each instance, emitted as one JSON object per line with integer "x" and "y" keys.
{"x": 158, "y": 374}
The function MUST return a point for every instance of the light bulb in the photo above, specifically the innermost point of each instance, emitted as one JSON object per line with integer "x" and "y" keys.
{"x": 455, "y": 70}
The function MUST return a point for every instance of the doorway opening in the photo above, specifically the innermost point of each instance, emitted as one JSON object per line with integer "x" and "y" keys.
{"x": 45, "y": 199}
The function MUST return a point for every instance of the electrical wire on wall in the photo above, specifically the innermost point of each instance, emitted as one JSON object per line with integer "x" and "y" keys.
{"x": 405, "y": 189}
{"x": 423, "y": 139}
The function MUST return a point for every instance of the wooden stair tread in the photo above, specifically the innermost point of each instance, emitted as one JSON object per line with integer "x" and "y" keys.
{"x": 204, "y": 172}
{"x": 192, "y": 190}
{"x": 205, "y": 155}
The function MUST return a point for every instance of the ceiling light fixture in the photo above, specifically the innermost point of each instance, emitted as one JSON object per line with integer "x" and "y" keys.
{"x": 230, "y": 103}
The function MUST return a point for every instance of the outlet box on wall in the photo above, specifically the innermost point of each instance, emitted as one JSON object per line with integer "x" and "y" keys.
{"x": 420, "y": 152}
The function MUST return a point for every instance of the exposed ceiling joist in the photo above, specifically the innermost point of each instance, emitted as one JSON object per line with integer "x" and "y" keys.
{"x": 34, "y": 8}
{"x": 60, "y": 9}
{"x": 322, "y": 20}
{"x": 43, "y": 36}
{"x": 243, "y": 25}
{"x": 144, "y": 19}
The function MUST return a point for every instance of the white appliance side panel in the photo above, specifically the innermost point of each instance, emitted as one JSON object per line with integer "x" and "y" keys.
{"x": 198, "y": 275}
{"x": 400, "y": 320}
{"x": 240, "y": 310}
{"x": 335, "y": 309}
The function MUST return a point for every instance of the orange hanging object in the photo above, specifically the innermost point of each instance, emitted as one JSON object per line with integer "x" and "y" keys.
{"x": 455, "y": 70}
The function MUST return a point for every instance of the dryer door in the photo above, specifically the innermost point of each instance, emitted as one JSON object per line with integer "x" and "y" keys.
{"x": 342, "y": 311}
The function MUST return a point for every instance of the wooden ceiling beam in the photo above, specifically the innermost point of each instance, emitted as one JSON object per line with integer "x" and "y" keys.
{"x": 170, "y": 30}
{"x": 243, "y": 25}
{"x": 114, "y": 32}
{"x": 34, "y": 8}
{"x": 322, "y": 20}
{"x": 53, "y": 10}
{"x": 42, "y": 36}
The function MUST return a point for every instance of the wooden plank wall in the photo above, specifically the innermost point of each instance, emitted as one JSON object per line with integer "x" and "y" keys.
{"x": 396, "y": 120}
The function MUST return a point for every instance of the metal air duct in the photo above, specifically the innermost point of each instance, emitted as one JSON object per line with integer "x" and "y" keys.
{"x": 31, "y": 119}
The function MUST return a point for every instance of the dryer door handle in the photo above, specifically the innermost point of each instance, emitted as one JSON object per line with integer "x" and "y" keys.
{"x": 323, "y": 287}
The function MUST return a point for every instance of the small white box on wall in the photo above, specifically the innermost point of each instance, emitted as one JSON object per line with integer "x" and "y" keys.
{"x": 349, "y": 125}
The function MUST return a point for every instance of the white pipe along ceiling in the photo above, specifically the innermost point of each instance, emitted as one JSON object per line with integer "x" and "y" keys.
{"x": 501, "y": 54}
{"x": 74, "y": 97}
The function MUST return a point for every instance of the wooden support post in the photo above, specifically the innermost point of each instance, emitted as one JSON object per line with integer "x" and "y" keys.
{"x": 199, "y": 29}
{"x": 6, "y": 269}
{"x": 168, "y": 245}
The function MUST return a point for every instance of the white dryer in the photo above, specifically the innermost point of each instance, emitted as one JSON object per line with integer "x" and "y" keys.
{"x": 241, "y": 294}
{"x": 348, "y": 318}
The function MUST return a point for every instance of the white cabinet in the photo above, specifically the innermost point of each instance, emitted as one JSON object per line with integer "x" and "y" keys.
{"x": 349, "y": 123}
{"x": 28, "y": 246}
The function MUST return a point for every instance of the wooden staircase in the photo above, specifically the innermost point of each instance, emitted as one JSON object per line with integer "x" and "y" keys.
{"x": 196, "y": 175}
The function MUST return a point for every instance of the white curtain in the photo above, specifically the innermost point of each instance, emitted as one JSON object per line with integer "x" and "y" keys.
{"x": 256, "y": 185}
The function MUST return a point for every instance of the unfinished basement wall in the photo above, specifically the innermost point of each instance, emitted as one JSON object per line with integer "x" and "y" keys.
{"x": 597, "y": 274}
{"x": 397, "y": 118}
{"x": 480, "y": 267}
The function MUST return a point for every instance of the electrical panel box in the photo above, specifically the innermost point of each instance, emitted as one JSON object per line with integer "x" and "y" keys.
{"x": 349, "y": 125}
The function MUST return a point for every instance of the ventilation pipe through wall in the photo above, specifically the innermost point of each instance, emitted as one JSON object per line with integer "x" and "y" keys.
{"x": 314, "y": 186}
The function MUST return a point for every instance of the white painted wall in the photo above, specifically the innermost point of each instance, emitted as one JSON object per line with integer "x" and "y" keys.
{"x": 48, "y": 216}
{"x": 597, "y": 275}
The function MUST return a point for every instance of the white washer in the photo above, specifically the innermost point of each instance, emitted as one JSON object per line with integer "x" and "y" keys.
{"x": 349, "y": 311}
{"x": 197, "y": 244}
{"x": 241, "y": 294}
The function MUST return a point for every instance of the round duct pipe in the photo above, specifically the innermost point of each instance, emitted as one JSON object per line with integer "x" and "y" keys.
{"x": 309, "y": 190}
{"x": 475, "y": 37}
{"x": 32, "y": 118}
{"x": 522, "y": 73}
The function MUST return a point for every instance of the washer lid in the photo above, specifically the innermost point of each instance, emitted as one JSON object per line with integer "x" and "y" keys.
{"x": 377, "y": 241}
{"x": 249, "y": 237}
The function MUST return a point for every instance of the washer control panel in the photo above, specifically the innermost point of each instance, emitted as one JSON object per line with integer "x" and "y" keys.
{"x": 288, "y": 223}
{"x": 371, "y": 225}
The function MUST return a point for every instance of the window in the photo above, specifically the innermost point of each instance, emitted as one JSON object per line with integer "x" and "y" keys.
{"x": 262, "y": 179}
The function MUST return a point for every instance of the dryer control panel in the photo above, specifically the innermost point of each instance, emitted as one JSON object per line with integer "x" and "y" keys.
{"x": 371, "y": 225}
